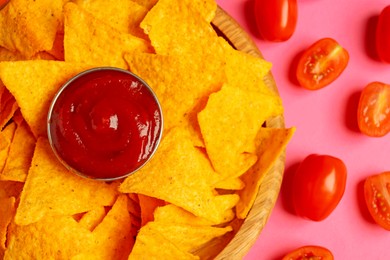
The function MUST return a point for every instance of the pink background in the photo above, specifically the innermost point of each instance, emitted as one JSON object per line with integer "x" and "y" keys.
{"x": 326, "y": 124}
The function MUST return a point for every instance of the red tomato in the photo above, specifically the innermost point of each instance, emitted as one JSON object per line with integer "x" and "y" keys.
{"x": 383, "y": 35}
{"x": 374, "y": 109}
{"x": 377, "y": 195}
{"x": 318, "y": 186}
{"x": 321, "y": 64}
{"x": 276, "y": 19}
{"x": 310, "y": 252}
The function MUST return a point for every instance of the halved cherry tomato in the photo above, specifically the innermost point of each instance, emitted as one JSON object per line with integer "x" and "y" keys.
{"x": 321, "y": 64}
{"x": 310, "y": 253}
{"x": 318, "y": 186}
{"x": 276, "y": 19}
{"x": 374, "y": 109}
{"x": 383, "y": 35}
{"x": 377, "y": 195}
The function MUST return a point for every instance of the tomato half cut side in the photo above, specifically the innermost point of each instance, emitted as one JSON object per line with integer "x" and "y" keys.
{"x": 383, "y": 35}
{"x": 377, "y": 195}
{"x": 318, "y": 186}
{"x": 276, "y": 19}
{"x": 310, "y": 252}
{"x": 374, "y": 110}
{"x": 321, "y": 64}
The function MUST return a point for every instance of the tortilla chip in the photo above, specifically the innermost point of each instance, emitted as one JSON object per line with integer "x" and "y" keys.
{"x": 59, "y": 237}
{"x": 92, "y": 218}
{"x": 272, "y": 141}
{"x": 20, "y": 155}
{"x": 169, "y": 177}
{"x": 230, "y": 184}
{"x": 57, "y": 51}
{"x": 148, "y": 4}
{"x": 29, "y": 26}
{"x": 174, "y": 82}
{"x": 243, "y": 67}
{"x": 173, "y": 214}
{"x": 148, "y": 206}
{"x": 206, "y": 8}
{"x": 152, "y": 245}
{"x": 123, "y": 15}
{"x": 7, "y": 55}
{"x": 112, "y": 239}
{"x": 7, "y": 211}
{"x": 6, "y": 137}
{"x": 36, "y": 89}
{"x": 10, "y": 189}
{"x": 229, "y": 125}
{"x": 90, "y": 40}
{"x": 8, "y": 106}
{"x": 165, "y": 34}
{"x": 52, "y": 190}
{"x": 188, "y": 237}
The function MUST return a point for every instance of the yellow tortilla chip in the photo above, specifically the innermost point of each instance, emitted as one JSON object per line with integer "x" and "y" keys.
{"x": 43, "y": 55}
{"x": 57, "y": 51}
{"x": 35, "y": 90}
{"x": 8, "y": 106}
{"x": 245, "y": 71}
{"x": 123, "y": 15}
{"x": 165, "y": 34}
{"x": 7, "y": 55}
{"x": 150, "y": 244}
{"x": 93, "y": 218}
{"x": 188, "y": 237}
{"x": 89, "y": 40}
{"x": 173, "y": 82}
{"x": 111, "y": 239}
{"x": 272, "y": 141}
{"x": 148, "y": 4}
{"x": 59, "y": 237}
{"x": 10, "y": 189}
{"x": 30, "y": 26}
{"x": 174, "y": 214}
{"x": 133, "y": 206}
{"x": 229, "y": 125}
{"x": 169, "y": 177}
{"x": 206, "y": 8}
{"x": 20, "y": 155}
{"x": 6, "y": 137}
{"x": 52, "y": 190}
{"x": 148, "y": 206}
{"x": 7, "y": 211}
{"x": 230, "y": 184}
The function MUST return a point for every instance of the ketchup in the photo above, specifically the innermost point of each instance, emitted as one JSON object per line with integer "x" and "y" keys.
{"x": 105, "y": 123}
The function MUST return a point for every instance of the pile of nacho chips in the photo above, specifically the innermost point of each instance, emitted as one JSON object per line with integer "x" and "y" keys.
{"x": 210, "y": 163}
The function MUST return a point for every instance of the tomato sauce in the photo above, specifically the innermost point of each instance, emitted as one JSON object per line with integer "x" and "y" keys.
{"x": 105, "y": 123}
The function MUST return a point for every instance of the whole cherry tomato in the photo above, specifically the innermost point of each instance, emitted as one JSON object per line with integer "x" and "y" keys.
{"x": 276, "y": 19}
{"x": 374, "y": 109}
{"x": 318, "y": 186}
{"x": 383, "y": 35}
{"x": 321, "y": 64}
{"x": 377, "y": 195}
{"x": 310, "y": 252}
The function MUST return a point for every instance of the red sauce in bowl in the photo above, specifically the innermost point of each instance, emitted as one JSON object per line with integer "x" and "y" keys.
{"x": 105, "y": 123}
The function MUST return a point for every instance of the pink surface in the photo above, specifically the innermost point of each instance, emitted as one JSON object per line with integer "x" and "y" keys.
{"x": 326, "y": 124}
